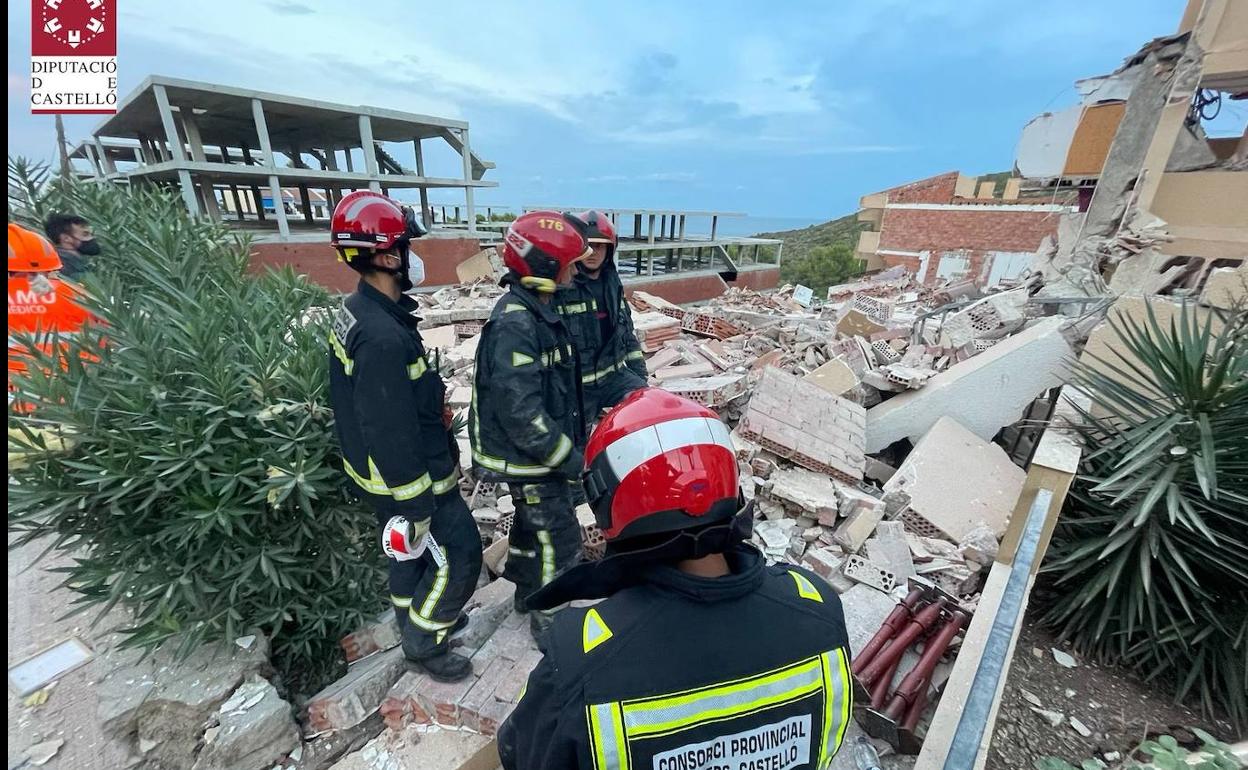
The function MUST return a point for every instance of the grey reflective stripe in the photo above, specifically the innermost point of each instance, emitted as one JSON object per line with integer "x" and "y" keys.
{"x": 838, "y": 700}
{"x": 610, "y": 748}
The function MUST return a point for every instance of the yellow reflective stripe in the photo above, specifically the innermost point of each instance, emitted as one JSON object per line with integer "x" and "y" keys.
{"x": 548, "y": 556}
{"x": 348, "y": 363}
{"x": 374, "y": 484}
{"x": 559, "y": 453}
{"x": 502, "y": 466}
{"x": 551, "y": 357}
{"x": 606, "y": 730}
{"x": 442, "y": 486}
{"x": 669, "y": 714}
{"x": 439, "y": 587}
{"x": 414, "y": 371}
{"x": 520, "y": 359}
{"x": 432, "y": 626}
{"x": 574, "y": 308}
{"x": 635, "y": 355}
{"x": 512, "y": 307}
{"x": 805, "y": 588}
{"x": 401, "y": 601}
{"x": 838, "y": 699}
{"x": 412, "y": 489}
{"x": 601, "y": 373}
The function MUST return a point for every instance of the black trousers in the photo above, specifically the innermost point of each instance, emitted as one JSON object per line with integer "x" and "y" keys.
{"x": 545, "y": 537}
{"x": 429, "y": 592}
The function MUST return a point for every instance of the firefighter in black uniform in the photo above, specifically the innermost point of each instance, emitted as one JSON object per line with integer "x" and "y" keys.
{"x": 601, "y": 323}
{"x": 526, "y": 417}
{"x": 701, "y": 656}
{"x": 390, "y": 418}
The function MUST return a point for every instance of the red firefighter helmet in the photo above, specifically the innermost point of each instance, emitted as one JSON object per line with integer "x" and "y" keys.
{"x": 600, "y": 229}
{"x": 30, "y": 252}
{"x": 660, "y": 463}
{"x": 539, "y": 245}
{"x": 365, "y": 221}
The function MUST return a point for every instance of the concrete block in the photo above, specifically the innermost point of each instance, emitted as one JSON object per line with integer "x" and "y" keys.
{"x": 255, "y": 728}
{"x": 350, "y": 700}
{"x": 869, "y": 573}
{"x": 835, "y": 376}
{"x": 983, "y": 393}
{"x": 1226, "y": 287}
{"x": 891, "y": 554}
{"x": 486, "y": 609}
{"x": 807, "y": 490}
{"x": 957, "y": 481}
{"x": 857, "y": 527}
{"x": 443, "y": 337}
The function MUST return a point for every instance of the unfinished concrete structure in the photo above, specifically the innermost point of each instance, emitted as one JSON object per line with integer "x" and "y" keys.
{"x": 644, "y": 252}
{"x": 212, "y": 141}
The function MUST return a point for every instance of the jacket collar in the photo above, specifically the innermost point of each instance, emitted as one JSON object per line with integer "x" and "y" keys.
{"x": 529, "y": 299}
{"x": 404, "y": 311}
{"x": 747, "y": 574}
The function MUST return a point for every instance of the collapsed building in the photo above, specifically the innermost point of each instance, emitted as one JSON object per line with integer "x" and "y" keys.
{"x": 893, "y": 435}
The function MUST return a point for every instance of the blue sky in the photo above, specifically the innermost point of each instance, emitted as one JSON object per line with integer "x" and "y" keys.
{"x": 772, "y": 109}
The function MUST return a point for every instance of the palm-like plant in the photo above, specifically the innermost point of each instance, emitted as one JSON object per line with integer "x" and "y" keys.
{"x": 1149, "y": 563}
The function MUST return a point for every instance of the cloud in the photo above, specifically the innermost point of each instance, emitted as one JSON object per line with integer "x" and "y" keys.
{"x": 290, "y": 9}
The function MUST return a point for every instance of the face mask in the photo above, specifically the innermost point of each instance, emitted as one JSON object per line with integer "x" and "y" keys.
{"x": 40, "y": 284}
{"x": 415, "y": 268}
{"x": 89, "y": 248}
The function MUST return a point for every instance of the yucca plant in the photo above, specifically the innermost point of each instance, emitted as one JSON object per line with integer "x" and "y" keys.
{"x": 198, "y": 481}
{"x": 1149, "y": 562}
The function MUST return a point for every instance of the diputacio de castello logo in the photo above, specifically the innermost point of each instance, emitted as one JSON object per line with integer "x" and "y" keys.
{"x": 73, "y": 56}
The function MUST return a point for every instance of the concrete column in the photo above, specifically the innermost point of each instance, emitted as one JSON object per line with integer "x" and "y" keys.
{"x": 637, "y": 226}
{"x": 89, "y": 151}
{"x": 247, "y": 159}
{"x": 225, "y": 153}
{"x": 650, "y": 237}
{"x": 257, "y": 200}
{"x": 238, "y": 202}
{"x": 350, "y": 165}
{"x": 306, "y": 201}
{"x": 469, "y": 192}
{"x": 714, "y": 226}
{"x": 650, "y": 260}
{"x": 682, "y": 227}
{"x": 191, "y": 127}
{"x": 210, "y": 200}
{"x": 107, "y": 162}
{"x": 680, "y": 255}
{"x": 370, "y": 152}
{"x": 262, "y": 132}
{"x": 138, "y": 155}
{"x": 175, "y": 145}
{"x": 275, "y": 189}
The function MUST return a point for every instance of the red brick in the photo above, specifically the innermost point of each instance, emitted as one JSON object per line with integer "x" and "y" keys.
{"x": 379, "y": 635}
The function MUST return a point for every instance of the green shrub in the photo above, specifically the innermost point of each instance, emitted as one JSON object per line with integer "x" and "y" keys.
{"x": 201, "y": 488}
{"x": 821, "y": 267}
{"x": 1149, "y": 562}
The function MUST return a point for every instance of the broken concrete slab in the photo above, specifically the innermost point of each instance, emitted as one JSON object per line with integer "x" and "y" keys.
{"x": 836, "y": 377}
{"x": 251, "y": 734}
{"x": 957, "y": 481}
{"x": 983, "y": 393}
{"x": 164, "y": 703}
{"x": 443, "y": 337}
{"x": 1226, "y": 287}
{"x": 869, "y": 573}
{"x": 979, "y": 546}
{"x": 809, "y": 491}
{"x": 858, "y": 526}
{"x": 382, "y": 633}
{"x": 891, "y": 554}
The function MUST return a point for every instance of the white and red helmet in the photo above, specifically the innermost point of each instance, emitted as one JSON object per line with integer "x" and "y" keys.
{"x": 659, "y": 463}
